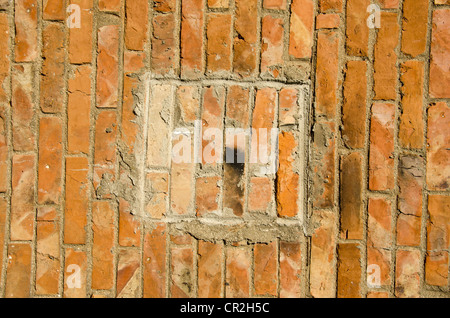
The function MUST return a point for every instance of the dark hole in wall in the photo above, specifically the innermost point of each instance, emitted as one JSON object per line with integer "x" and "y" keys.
{"x": 234, "y": 170}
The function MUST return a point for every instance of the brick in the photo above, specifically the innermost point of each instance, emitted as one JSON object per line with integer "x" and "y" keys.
{"x": 129, "y": 274}
{"x": 50, "y": 161}
{"x": 129, "y": 225}
{"x": 274, "y": 4}
{"x": 164, "y": 45}
{"x": 289, "y": 106}
{"x": 130, "y": 127}
{"x": 219, "y": 43}
{"x": 4, "y": 175}
{"x": 188, "y": 101}
{"x": 272, "y": 46}
{"x": 212, "y": 117}
{"x": 245, "y": 45}
{"x": 4, "y": 4}
{"x": 377, "y": 295}
{"x": 218, "y": 4}
{"x": 182, "y": 188}
{"x": 47, "y": 213}
{"x": 349, "y": 271}
{"x": 164, "y": 5}
{"x": 379, "y": 231}
{"x": 137, "y": 24}
{"x": 105, "y": 152}
{"x": 260, "y": 194}
{"x": 53, "y": 10}
{"x": 75, "y": 273}
{"x": 330, "y": 5}
{"x": 388, "y": 4}
{"x": 265, "y": 260}
{"x": 192, "y": 21}
{"x": 301, "y": 28}
{"x": 323, "y": 251}
{"x": 410, "y": 184}
{"x": 4, "y": 57}
{"x": 357, "y": 31}
{"x": 182, "y": 239}
{"x": 161, "y": 102}
{"x": 18, "y": 274}
{"x": 133, "y": 62}
{"x": 207, "y": 195}
{"x": 378, "y": 267}
{"x": 436, "y": 268}
{"x": 351, "y": 197}
{"x": 354, "y": 107}
{"x": 327, "y": 73}
{"x": 3, "y": 224}
{"x": 22, "y": 198}
{"x": 324, "y": 147}
{"x": 411, "y": 119}
{"x": 414, "y": 27}
{"x": 47, "y": 258}
{"x": 237, "y": 108}
{"x": 107, "y": 66}
{"x": 210, "y": 259}
{"x": 328, "y": 21}
{"x": 103, "y": 244}
{"x": 23, "y": 108}
{"x": 78, "y": 110}
{"x": 109, "y": 5}
{"x": 441, "y": 2}
{"x": 407, "y": 274}
{"x": 385, "y": 58}
{"x": 238, "y": 262}
{"x": 25, "y": 20}
{"x": 438, "y": 229}
{"x": 77, "y": 200}
{"x": 158, "y": 185}
{"x": 287, "y": 177}
{"x": 155, "y": 262}
{"x": 290, "y": 270}
{"x": 80, "y": 39}
{"x": 438, "y": 143}
{"x": 381, "y": 153}
{"x": 182, "y": 268}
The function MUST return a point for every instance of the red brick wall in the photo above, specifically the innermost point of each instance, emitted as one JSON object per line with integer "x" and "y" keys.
{"x": 92, "y": 204}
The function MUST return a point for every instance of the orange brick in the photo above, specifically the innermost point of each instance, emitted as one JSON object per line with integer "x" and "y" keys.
{"x": 53, "y": 10}
{"x": 4, "y": 175}
{"x": 379, "y": 231}
{"x": 3, "y": 211}
{"x": 47, "y": 213}
{"x": 129, "y": 225}
{"x": 129, "y": 274}
{"x": 388, "y": 4}
{"x": 207, "y": 195}
{"x": 158, "y": 185}
{"x": 47, "y": 258}
{"x": 379, "y": 267}
{"x": 237, "y": 108}
{"x": 357, "y": 31}
{"x": 238, "y": 262}
{"x": 436, "y": 268}
{"x": 80, "y": 39}
{"x": 349, "y": 271}
{"x": 164, "y": 5}
{"x": 192, "y": 39}
{"x": 182, "y": 268}
{"x": 266, "y": 276}
{"x": 330, "y": 5}
{"x": 414, "y": 27}
{"x": 245, "y": 46}
{"x": 219, "y": 43}
{"x": 218, "y": 3}
{"x": 290, "y": 270}
{"x": 407, "y": 274}
{"x": 377, "y": 295}
{"x": 50, "y": 160}
{"x": 25, "y": 19}
{"x": 164, "y": 45}
{"x": 18, "y": 274}
{"x": 188, "y": 99}
{"x": 136, "y": 25}
{"x": 260, "y": 194}
{"x": 263, "y": 118}
{"x": 133, "y": 62}
{"x": 440, "y": 48}
{"x": 75, "y": 273}
{"x": 4, "y": 57}
{"x": 212, "y": 117}
{"x": 210, "y": 260}
{"x": 109, "y": 5}
{"x": 328, "y": 21}
{"x": 438, "y": 229}
{"x": 289, "y": 106}
{"x": 108, "y": 66}
{"x": 182, "y": 187}
{"x": 301, "y": 28}
{"x": 272, "y": 46}
{"x": 77, "y": 200}
{"x": 275, "y": 4}
{"x": 130, "y": 127}
{"x": 155, "y": 262}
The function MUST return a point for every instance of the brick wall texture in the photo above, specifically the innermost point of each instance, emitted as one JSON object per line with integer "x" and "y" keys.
{"x": 96, "y": 94}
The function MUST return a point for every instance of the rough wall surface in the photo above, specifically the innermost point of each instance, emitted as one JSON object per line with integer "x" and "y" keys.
{"x": 94, "y": 94}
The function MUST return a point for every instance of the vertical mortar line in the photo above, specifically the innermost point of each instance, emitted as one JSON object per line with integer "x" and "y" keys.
{"x": 278, "y": 256}
{"x": 252, "y": 291}
{"x": 223, "y": 268}
{"x": 195, "y": 266}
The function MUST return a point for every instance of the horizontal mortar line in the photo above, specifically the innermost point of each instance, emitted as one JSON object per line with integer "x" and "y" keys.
{"x": 220, "y": 221}
{"x": 249, "y": 83}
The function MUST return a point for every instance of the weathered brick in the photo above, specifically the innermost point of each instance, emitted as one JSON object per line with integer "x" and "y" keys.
{"x": 388, "y": 4}
{"x": 414, "y": 27}
{"x": 80, "y": 39}
{"x": 47, "y": 213}
{"x": 289, "y": 106}
{"x": 438, "y": 143}
{"x": 4, "y": 175}
{"x": 245, "y": 48}
{"x": 381, "y": 153}
{"x": 237, "y": 107}
{"x": 266, "y": 276}
{"x": 373, "y": 294}
{"x": 77, "y": 200}
{"x": 107, "y": 66}
{"x": 328, "y": 21}
{"x": 25, "y": 19}
{"x": 378, "y": 267}
{"x": 219, "y": 43}
{"x": 105, "y": 152}
{"x": 357, "y": 31}
{"x": 349, "y": 271}
{"x": 182, "y": 268}
{"x": 188, "y": 101}
{"x": 192, "y": 38}
{"x": 18, "y": 274}
{"x": 290, "y": 270}
{"x": 50, "y": 160}
{"x": 354, "y": 107}
{"x": 23, "y": 108}
{"x": 22, "y": 198}
{"x": 301, "y": 28}
{"x": 129, "y": 274}
{"x": 379, "y": 231}
{"x": 410, "y": 184}
{"x": 158, "y": 185}
{"x": 407, "y": 274}
{"x": 181, "y": 239}
{"x": 75, "y": 273}
{"x": 133, "y": 62}
{"x": 436, "y": 268}
{"x": 287, "y": 177}
{"x": 212, "y": 117}
{"x": 137, "y": 24}
{"x": 327, "y": 73}
{"x": 47, "y": 258}
{"x": 78, "y": 110}
{"x": 385, "y": 58}
{"x": 130, "y": 127}
{"x": 351, "y": 197}
{"x": 129, "y": 225}
{"x": 330, "y": 5}
{"x": 102, "y": 245}
{"x": 109, "y": 5}
{"x": 274, "y": 4}
{"x": 164, "y": 45}
{"x": 238, "y": 262}
{"x": 207, "y": 195}
{"x": 4, "y": 57}
{"x": 210, "y": 258}
{"x": 323, "y": 251}
{"x": 272, "y": 46}
{"x": 411, "y": 120}
{"x": 155, "y": 262}
{"x": 53, "y": 10}
{"x": 164, "y": 5}
{"x": 438, "y": 227}
{"x": 260, "y": 194}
